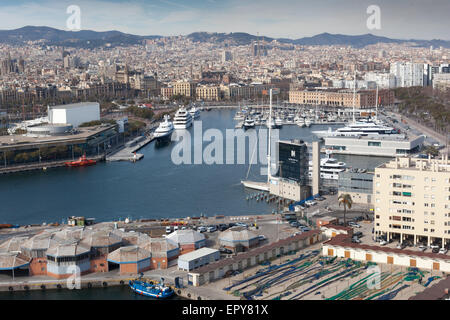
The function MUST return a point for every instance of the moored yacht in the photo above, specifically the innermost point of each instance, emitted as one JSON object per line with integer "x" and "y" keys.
{"x": 194, "y": 112}
{"x": 329, "y": 168}
{"x": 182, "y": 119}
{"x": 360, "y": 128}
{"x": 164, "y": 131}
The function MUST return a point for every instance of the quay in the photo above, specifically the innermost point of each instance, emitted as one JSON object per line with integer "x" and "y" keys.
{"x": 127, "y": 152}
{"x": 43, "y": 165}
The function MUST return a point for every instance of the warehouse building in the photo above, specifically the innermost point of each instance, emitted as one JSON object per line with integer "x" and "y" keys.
{"x": 163, "y": 251}
{"x": 197, "y": 258}
{"x": 342, "y": 247}
{"x": 242, "y": 261}
{"x": 238, "y": 239}
{"x": 66, "y": 258}
{"x": 188, "y": 240}
{"x": 131, "y": 259}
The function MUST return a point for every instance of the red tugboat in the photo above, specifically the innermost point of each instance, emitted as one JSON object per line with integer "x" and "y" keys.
{"x": 82, "y": 162}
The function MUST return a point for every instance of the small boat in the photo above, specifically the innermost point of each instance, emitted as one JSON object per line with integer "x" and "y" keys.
{"x": 157, "y": 291}
{"x": 82, "y": 162}
{"x": 249, "y": 123}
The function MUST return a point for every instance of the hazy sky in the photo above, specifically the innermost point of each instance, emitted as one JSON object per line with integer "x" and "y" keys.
{"x": 419, "y": 19}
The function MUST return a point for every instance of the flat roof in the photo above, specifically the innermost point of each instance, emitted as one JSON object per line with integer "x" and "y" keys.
{"x": 74, "y": 105}
{"x": 17, "y": 141}
{"x": 197, "y": 254}
{"x": 254, "y": 252}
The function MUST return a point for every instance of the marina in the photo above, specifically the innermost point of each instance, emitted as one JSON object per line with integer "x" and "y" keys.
{"x": 146, "y": 189}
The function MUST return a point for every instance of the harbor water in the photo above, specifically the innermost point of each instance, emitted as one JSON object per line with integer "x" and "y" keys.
{"x": 154, "y": 187}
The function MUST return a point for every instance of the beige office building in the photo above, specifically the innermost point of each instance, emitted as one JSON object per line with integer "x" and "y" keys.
{"x": 412, "y": 200}
{"x": 341, "y": 98}
{"x": 208, "y": 93}
{"x": 184, "y": 88}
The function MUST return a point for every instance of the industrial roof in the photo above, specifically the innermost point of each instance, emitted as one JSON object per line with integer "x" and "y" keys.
{"x": 159, "y": 246}
{"x": 129, "y": 254}
{"x": 12, "y": 244}
{"x": 40, "y": 241}
{"x": 10, "y": 260}
{"x": 254, "y": 252}
{"x": 236, "y": 234}
{"x": 197, "y": 254}
{"x": 68, "y": 248}
{"x": 186, "y": 236}
{"x": 101, "y": 238}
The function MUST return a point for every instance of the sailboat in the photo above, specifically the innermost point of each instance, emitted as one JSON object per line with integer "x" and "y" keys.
{"x": 262, "y": 186}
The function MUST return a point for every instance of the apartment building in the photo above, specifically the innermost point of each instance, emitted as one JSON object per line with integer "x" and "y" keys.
{"x": 208, "y": 93}
{"x": 412, "y": 200}
{"x": 341, "y": 98}
{"x": 184, "y": 88}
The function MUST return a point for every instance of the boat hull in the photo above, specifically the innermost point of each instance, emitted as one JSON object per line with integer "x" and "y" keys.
{"x": 150, "y": 291}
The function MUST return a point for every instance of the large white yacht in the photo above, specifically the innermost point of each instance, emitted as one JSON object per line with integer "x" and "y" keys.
{"x": 164, "y": 130}
{"x": 195, "y": 113}
{"x": 182, "y": 119}
{"x": 359, "y": 128}
{"x": 329, "y": 168}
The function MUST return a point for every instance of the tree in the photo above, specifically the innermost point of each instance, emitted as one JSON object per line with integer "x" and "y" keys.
{"x": 346, "y": 200}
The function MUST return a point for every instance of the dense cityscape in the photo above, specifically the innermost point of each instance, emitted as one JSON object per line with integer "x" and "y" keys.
{"x": 346, "y": 198}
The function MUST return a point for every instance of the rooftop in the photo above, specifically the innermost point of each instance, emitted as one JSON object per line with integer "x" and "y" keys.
{"x": 197, "y": 254}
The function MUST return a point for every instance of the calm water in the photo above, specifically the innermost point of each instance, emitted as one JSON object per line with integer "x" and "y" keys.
{"x": 152, "y": 188}
{"x": 110, "y": 293}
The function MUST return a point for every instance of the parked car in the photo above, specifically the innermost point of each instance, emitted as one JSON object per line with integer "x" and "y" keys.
{"x": 321, "y": 198}
{"x": 211, "y": 228}
{"x": 401, "y": 245}
{"x": 442, "y": 251}
{"x": 383, "y": 243}
{"x": 358, "y": 234}
{"x": 230, "y": 225}
{"x": 201, "y": 229}
{"x": 422, "y": 247}
{"x": 262, "y": 237}
{"x": 168, "y": 230}
{"x": 310, "y": 202}
{"x": 294, "y": 224}
{"x": 354, "y": 224}
{"x": 356, "y": 240}
{"x": 223, "y": 227}
{"x": 304, "y": 229}
{"x": 225, "y": 251}
{"x": 435, "y": 250}
{"x": 241, "y": 224}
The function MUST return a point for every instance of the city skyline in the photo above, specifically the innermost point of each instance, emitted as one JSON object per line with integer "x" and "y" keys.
{"x": 289, "y": 19}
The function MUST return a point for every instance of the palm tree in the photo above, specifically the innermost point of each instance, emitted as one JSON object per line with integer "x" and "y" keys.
{"x": 346, "y": 200}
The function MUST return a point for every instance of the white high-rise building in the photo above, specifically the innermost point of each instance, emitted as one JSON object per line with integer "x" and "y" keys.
{"x": 408, "y": 74}
{"x": 383, "y": 80}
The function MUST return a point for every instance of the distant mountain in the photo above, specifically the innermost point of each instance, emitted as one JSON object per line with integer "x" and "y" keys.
{"x": 88, "y": 38}
{"x": 83, "y": 38}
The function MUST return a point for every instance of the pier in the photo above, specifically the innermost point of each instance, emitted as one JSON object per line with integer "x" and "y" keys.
{"x": 127, "y": 153}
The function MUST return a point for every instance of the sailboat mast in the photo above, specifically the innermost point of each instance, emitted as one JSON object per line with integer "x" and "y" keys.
{"x": 270, "y": 135}
{"x": 354, "y": 98}
{"x": 376, "y": 105}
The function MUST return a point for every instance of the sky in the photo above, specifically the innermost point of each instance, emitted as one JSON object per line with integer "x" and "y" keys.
{"x": 403, "y": 19}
